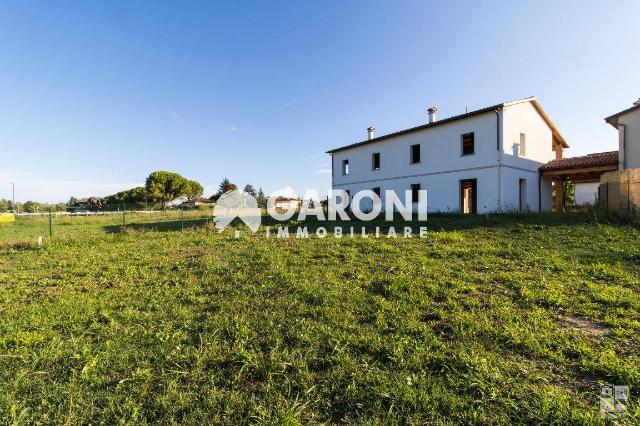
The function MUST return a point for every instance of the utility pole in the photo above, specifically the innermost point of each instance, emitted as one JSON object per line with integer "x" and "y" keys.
{"x": 13, "y": 197}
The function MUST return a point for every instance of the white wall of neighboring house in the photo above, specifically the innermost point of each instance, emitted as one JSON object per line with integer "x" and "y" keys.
{"x": 630, "y": 133}
{"x": 586, "y": 193}
{"x": 287, "y": 204}
{"x": 442, "y": 166}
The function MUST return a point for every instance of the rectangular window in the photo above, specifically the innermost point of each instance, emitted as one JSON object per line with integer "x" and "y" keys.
{"x": 468, "y": 147}
{"x": 376, "y": 191}
{"x": 345, "y": 167}
{"x": 415, "y": 187}
{"x": 375, "y": 161}
{"x": 415, "y": 154}
{"x": 523, "y": 144}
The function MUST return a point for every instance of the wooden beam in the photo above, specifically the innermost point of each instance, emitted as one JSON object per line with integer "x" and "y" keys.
{"x": 566, "y": 172}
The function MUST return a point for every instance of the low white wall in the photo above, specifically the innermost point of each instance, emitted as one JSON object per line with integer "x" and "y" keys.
{"x": 586, "y": 193}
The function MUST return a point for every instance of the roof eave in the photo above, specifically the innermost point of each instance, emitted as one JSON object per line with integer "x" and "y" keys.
{"x": 554, "y": 130}
{"x": 613, "y": 119}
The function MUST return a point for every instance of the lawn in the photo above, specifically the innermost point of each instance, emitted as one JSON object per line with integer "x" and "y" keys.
{"x": 488, "y": 320}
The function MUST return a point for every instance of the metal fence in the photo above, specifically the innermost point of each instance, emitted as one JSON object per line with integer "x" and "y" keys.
{"x": 31, "y": 226}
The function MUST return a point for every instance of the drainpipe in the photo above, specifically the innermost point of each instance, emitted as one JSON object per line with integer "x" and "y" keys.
{"x": 331, "y": 170}
{"x": 539, "y": 191}
{"x": 497, "y": 111}
{"x": 622, "y": 162}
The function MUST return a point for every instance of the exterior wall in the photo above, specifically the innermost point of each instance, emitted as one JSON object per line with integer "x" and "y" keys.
{"x": 440, "y": 169}
{"x": 442, "y": 166}
{"x": 631, "y": 123}
{"x": 546, "y": 194}
{"x": 443, "y": 190}
{"x": 586, "y": 193}
{"x": 524, "y": 118}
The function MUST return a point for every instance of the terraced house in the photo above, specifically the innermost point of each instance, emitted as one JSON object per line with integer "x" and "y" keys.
{"x": 486, "y": 160}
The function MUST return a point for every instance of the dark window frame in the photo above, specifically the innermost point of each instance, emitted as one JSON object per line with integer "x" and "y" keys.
{"x": 345, "y": 167}
{"x": 375, "y": 156}
{"x": 415, "y": 187}
{"x": 464, "y": 141}
{"x": 412, "y": 154}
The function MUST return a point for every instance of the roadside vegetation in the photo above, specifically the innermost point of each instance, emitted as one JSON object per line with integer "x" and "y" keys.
{"x": 488, "y": 320}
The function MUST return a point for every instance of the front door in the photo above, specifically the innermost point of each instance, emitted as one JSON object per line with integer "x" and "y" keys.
{"x": 468, "y": 196}
{"x": 523, "y": 195}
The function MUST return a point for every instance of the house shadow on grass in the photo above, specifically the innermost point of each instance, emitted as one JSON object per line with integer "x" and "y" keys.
{"x": 436, "y": 222}
{"x": 159, "y": 226}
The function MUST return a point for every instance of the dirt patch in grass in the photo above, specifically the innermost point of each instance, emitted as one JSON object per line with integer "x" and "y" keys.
{"x": 589, "y": 329}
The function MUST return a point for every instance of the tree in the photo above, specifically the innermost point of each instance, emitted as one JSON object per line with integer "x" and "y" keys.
{"x": 225, "y": 186}
{"x": 249, "y": 189}
{"x": 193, "y": 190}
{"x": 94, "y": 203}
{"x": 31, "y": 207}
{"x": 5, "y": 205}
{"x": 130, "y": 196}
{"x": 165, "y": 186}
{"x": 262, "y": 199}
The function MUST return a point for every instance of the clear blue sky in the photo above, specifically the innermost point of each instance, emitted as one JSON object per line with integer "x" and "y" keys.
{"x": 95, "y": 95}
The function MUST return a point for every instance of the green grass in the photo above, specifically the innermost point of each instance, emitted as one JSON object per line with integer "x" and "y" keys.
{"x": 486, "y": 321}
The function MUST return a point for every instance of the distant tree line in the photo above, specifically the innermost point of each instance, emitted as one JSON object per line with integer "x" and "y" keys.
{"x": 6, "y": 206}
{"x": 160, "y": 189}
{"x": 226, "y": 186}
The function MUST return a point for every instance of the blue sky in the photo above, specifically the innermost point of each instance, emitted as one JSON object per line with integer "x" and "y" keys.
{"x": 96, "y": 95}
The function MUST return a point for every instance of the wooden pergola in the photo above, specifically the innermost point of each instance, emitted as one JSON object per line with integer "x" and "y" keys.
{"x": 583, "y": 169}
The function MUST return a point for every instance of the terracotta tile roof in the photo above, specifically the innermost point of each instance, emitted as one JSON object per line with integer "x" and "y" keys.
{"x": 592, "y": 160}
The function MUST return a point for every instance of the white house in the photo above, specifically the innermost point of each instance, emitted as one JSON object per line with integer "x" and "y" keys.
{"x": 287, "y": 203}
{"x": 586, "y": 171}
{"x": 627, "y": 123}
{"x": 481, "y": 161}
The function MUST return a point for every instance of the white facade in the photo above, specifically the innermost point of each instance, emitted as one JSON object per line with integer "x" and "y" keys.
{"x": 628, "y": 125}
{"x": 506, "y": 178}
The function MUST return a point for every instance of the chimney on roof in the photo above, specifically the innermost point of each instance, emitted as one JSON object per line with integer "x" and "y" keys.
{"x": 432, "y": 114}
{"x": 371, "y": 132}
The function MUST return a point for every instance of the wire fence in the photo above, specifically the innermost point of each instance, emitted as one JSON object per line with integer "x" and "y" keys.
{"x": 31, "y": 226}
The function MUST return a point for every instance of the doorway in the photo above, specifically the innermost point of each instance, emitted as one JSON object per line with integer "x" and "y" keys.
{"x": 468, "y": 196}
{"x": 523, "y": 195}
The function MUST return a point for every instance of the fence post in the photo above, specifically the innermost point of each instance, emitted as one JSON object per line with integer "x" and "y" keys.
{"x": 181, "y": 218}
{"x": 50, "y": 224}
{"x": 123, "y": 214}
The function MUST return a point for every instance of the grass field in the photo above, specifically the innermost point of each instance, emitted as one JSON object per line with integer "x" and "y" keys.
{"x": 496, "y": 320}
